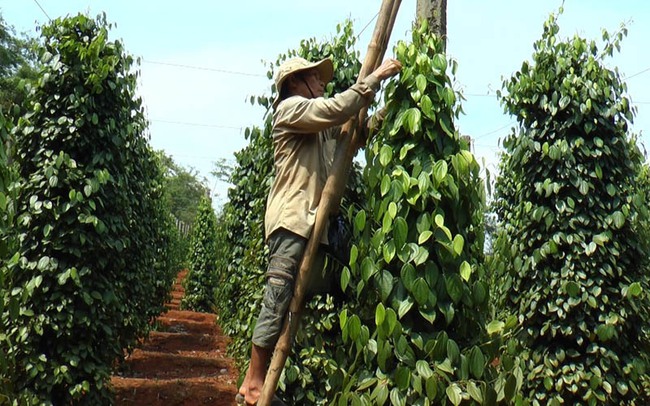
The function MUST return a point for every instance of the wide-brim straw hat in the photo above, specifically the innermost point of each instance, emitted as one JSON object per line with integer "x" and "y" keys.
{"x": 290, "y": 66}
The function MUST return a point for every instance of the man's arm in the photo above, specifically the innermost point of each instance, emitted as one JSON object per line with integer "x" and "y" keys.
{"x": 304, "y": 115}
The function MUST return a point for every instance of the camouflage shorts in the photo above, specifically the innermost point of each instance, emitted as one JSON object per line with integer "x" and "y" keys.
{"x": 286, "y": 250}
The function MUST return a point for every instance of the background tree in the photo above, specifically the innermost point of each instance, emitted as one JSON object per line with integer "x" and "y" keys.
{"x": 17, "y": 63}
{"x": 572, "y": 265}
{"x": 183, "y": 189}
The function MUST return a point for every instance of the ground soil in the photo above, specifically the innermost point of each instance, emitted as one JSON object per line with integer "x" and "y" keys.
{"x": 182, "y": 363}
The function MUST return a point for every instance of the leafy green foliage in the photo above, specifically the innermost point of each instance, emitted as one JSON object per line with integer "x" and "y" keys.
{"x": 201, "y": 280}
{"x": 571, "y": 264}
{"x": 16, "y": 64}
{"x": 417, "y": 332}
{"x": 7, "y": 253}
{"x": 182, "y": 191}
{"x": 243, "y": 255}
{"x": 93, "y": 268}
{"x": 641, "y": 202}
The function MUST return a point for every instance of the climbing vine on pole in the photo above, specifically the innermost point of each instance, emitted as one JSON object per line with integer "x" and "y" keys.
{"x": 572, "y": 263}
{"x": 92, "y": 269}
{"x": 417, "y": 331}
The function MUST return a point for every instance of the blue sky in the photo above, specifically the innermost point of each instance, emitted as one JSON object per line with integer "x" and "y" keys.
{"x": 202, "y": 59}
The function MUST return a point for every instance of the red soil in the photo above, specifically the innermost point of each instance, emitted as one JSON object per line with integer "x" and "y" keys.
{"x": 183, "y": 363}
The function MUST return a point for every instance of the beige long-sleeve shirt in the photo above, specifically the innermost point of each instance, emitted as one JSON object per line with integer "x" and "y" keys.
{"x": 304, "y": 142}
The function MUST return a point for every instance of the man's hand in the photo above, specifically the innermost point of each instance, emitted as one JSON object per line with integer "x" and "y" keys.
{"x": 389, "y": 68}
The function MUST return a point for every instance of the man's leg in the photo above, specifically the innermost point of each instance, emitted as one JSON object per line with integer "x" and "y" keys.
{"x": 286, "y": 251}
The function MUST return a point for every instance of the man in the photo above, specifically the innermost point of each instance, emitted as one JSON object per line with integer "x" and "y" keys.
{"x": 305, "y": 128}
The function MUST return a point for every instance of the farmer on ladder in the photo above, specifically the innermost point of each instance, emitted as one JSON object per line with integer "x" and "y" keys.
{"x": 305, "y": 128}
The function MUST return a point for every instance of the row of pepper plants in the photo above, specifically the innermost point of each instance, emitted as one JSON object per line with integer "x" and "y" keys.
{"x": 557, "y": 315}
{"x": 88, "y": 242}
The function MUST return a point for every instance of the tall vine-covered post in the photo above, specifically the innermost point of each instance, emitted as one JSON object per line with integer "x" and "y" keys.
{"x": 90, "y": 221}
{"x": 417, "y": 330}
{"x": 201, "y": 281}
{"x": 572, "y": 263}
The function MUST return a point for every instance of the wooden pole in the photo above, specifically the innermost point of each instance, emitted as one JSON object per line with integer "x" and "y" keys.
{"x": 330, "y": 199}
{"x": 435, "y": 12}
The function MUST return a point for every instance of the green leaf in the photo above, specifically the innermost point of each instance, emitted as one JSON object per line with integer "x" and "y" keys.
{"x": 380, "y": 314}
{"x": 380, "y": 393}
{"x": 454, "y": 393}
{"x": 445, "y": 366}
{"x": 477, "y": 362}
{"x": 619, "y": 219}
{"x": 404, "y": 307}
{"x": 421, "y": 82}
{"x": 423, "y": 369}
{"x": 440, "y": 171}
{"x": 345, "y": 278}
{"x": 424, "y": 236}
{"x": 601, "y": 239}
{"x": 440, "y": 62}
{"x": 412, "y": 119}
{"x": 43, "y": 263}
{"x": 426, "y": 106}
{"x": 420, "y": 291}
{"x": 385, "y": 155}
{"x": 431, "y": 387}
{"x": 479, "y": 292}
{"x": 368, "y": 269}
{"x": 458, "y": 244}
{"x": 396, "y": 398}
{"x": 403, "y": 378}
{"x": 548, "y": 383}
{"x": 605, "y": 332}
{"x": 401, "y": 231}
{"x": 389, "y": 251}
{"x": 465, "y": 270}
{"x": 454, "y": 287}
{"x": 392, "y": 209}
{"x": 360, "y": 220}
{"x": 634, "y": 290}
{"x": 495, "y": 326}
{"x": 564, "y": 101}
{"x": 384, "y": 283}
{"x": 474, "y": 392}
{"x": 47, "y": 229}
{"x": 385, "y": 185}
{"x": 510, "y": 388}
{"x": 421, "y": 255}
{"x": 572, "y": 288}
{"x": 354, "y": 327}
{"x": 439, "y": 220}
{"x": 622, "y": 387}
{"x": 444, "y": 124}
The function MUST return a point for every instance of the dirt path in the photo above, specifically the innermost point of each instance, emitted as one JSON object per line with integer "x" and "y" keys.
{"x": 182, "y": 363}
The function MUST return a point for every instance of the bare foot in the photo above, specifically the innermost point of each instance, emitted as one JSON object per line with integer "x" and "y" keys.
{"x": 251, "y": 388}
